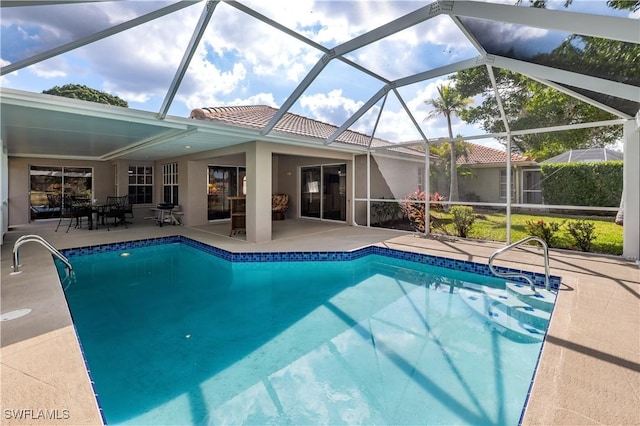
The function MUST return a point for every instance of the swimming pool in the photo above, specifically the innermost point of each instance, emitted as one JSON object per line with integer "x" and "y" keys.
{"x": 175, "y": 335}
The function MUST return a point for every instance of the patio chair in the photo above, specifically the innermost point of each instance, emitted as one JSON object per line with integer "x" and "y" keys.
{"x": 115, "y": 208}
{"x": 81, "y": 208}
{"x": 75, "y": 209}
{"x": 279, "y": 205}
{"x": 64, "y": 204}
{"x": 128, "y": 206}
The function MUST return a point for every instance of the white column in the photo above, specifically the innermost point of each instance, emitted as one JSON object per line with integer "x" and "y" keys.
{"x": 426, "y": 182}
{"x": 368, "y": 188}
{"x": 4, "y": 191}
{"x": 631, "y": 191}
{"x": 508, "y": 188}
{"x": 259, "y": 167}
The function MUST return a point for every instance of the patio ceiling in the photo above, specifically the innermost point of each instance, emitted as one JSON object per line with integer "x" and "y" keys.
{"x": 46, "y": 126}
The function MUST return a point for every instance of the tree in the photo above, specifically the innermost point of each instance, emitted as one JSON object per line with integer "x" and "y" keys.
{"x": 79, "y": 91}
{"x": 530, "y": 104}
{"x": 443, "y": 154}
{"x": 448, "y": 103}
{"x": 632, "y": 5}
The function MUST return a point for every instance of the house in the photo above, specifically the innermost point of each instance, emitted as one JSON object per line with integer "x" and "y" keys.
{"x": 154, "y": 156}
{"x": 486, "y": 180}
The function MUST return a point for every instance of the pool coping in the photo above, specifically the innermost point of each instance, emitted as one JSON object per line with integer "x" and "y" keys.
{"x": 320, "y": 256}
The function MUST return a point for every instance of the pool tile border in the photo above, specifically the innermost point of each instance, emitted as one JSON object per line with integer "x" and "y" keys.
{"x": 316, "y": 256}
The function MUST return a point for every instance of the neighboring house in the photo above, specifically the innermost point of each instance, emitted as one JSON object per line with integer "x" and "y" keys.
{"x": 486, "y": 177}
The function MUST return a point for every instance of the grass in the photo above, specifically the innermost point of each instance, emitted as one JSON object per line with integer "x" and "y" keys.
{"x": 493, "y": 227}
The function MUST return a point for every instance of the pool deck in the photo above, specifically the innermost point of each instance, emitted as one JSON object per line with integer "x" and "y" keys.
{"x": 589, "y": 372}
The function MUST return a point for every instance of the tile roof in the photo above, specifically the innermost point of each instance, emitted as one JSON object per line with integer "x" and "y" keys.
{"x": 258, "y": 116}
{"x": 480, "y": 154}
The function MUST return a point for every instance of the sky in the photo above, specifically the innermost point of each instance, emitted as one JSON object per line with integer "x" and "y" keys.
{"x": 242, "y": 61}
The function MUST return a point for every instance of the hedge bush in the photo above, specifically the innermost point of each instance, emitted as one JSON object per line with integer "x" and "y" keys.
{"x": 597, "y": 184}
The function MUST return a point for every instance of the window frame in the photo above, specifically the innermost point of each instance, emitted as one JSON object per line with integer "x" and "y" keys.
{"x": 170, "y": 183}
{"x": 140, "y": 185}
{"x": 502, "y": 185}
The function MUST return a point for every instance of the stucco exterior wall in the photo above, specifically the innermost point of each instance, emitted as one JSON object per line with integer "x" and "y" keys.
{"x": 485, "y": 183}
{"x": 284, "y": 176}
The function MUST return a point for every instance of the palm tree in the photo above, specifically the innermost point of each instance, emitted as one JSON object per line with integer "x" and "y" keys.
{"x": 448, "y": 103}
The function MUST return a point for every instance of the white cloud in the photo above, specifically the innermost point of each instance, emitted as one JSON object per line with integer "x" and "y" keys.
{"x": 56, "y": 67}
{"x": 332, "y": 108}
{"x": 207, "y": 85}
{"x": 257, "y": 99}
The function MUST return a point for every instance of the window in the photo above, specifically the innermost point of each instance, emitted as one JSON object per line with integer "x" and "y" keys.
{"x": 420, "y": 178}
{"x": 50, "y": 184}
{"x": 170, "y": 183}
{"x": 141, "y": 184}
{"x": 503, "y": 185}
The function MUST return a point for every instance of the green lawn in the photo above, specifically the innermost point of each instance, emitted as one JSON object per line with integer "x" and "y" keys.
{"x": 492, "y": 226}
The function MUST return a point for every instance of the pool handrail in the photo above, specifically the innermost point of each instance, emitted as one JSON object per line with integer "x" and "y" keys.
{"x": 36, "y": 238}
{"x": 545, "y": 249}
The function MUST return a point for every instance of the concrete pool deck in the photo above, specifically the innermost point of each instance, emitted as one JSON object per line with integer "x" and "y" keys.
{"x": 589, "y": 372}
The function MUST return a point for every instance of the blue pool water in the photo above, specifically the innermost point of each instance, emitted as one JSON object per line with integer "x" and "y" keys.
{"x": 173, "y": 335}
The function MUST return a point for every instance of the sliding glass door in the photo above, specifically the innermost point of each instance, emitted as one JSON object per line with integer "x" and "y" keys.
{"x": 324, "y": 192}
{"x": 49, "y": 184}
{"x": 224, "y": 182}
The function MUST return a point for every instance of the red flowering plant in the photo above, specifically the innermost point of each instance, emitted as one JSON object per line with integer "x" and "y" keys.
{"x": 437, "y": 197}
{"x": 544, "y": 230}
{"x": 413, "y": 208}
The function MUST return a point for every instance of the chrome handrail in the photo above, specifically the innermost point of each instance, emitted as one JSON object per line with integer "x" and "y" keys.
{"x": 545, "y": 249}
{"x": 36, "y": 238}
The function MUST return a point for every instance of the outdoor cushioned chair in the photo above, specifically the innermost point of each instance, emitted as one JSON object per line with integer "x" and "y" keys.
{"x": 279, "y": 205}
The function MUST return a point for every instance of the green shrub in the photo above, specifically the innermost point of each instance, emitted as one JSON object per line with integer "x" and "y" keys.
{"x": 597, "y": 184}
{"x": 544, "y": 230}
{"x": 385, "y": 211}
{"x": 463, "y": 219}
{"x": 583, "y": 232}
